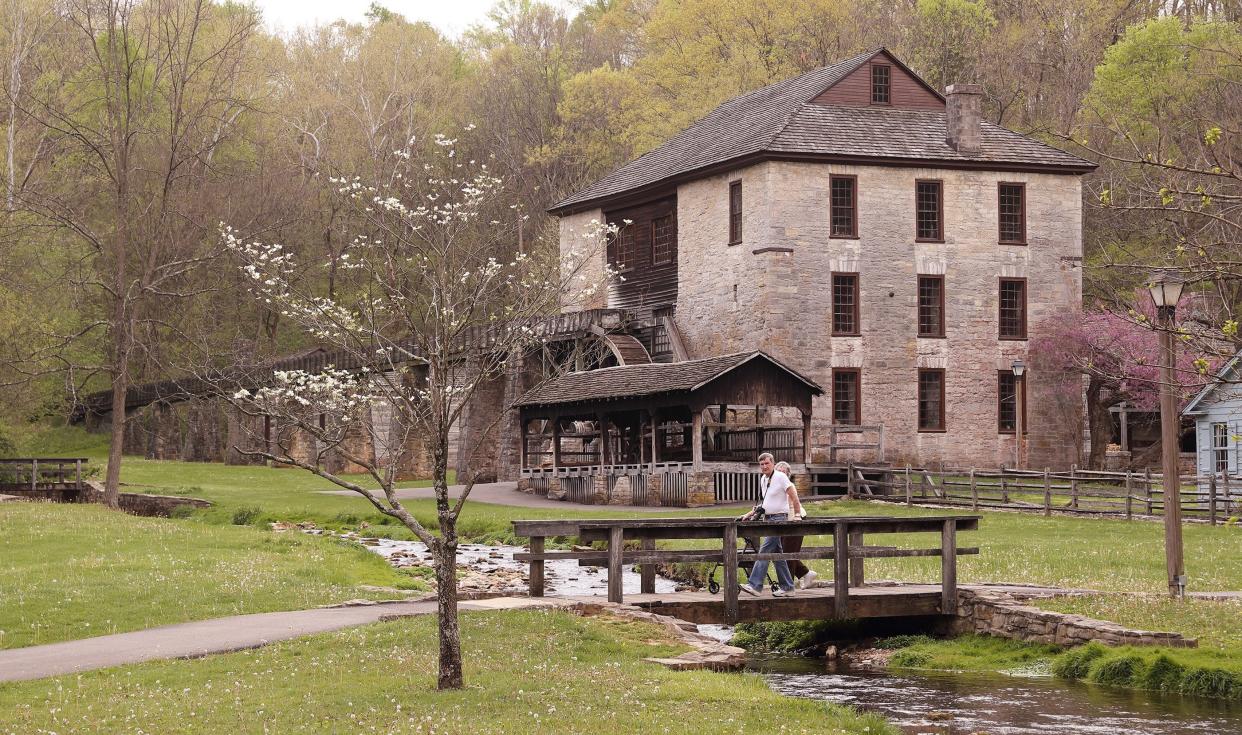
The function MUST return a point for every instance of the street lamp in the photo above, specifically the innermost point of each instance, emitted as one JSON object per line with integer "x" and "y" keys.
{"x": 1166, "y": 289}
{"x": 1018, "y": 367}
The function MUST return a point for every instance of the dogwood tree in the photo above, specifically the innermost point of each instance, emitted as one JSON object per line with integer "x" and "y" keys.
{"x": 432, "y": 299}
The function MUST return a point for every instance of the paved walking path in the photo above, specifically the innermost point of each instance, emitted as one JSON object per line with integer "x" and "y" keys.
{"x": 506, "y": 493}
{"x": 220, "y": 635}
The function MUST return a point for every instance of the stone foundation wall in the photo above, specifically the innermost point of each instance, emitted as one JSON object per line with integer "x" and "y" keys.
{"x": 1002, "y": 615}
{"x": 138, "y": 504}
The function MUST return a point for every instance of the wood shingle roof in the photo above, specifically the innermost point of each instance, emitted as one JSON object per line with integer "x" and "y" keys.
{"x": 781, "y": 121}
{"x": 635, "y": 381}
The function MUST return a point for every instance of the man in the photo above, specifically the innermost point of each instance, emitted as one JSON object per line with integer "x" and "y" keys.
{"x": 779, "y": 498}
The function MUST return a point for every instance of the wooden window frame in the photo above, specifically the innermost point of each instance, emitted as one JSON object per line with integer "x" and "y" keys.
{"x": 832, "y": 179}
{"x": 1021, "y": 399}
{"x": 939, "y": 211}
{"x": 857, "y": 373}
{"x": 735, "y": 215}
{"x": 918, "y": 316}
{"x": 942, "y": 428}
{"x": 857, "y": 317}
{"x": 888, "y": 85}
{"x": 1000, "y": 230}
{"x": 1000, "y": 306}
{"x": 672, "y": 253}
{"x": 1219, "y": 452}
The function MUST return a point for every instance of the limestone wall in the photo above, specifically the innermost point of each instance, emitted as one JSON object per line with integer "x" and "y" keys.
{"x": 586, "y": 258}
{"x": 773, "y": 291}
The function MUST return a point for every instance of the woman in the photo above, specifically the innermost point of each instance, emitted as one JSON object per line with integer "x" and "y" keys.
{"x": 803, "y": 573}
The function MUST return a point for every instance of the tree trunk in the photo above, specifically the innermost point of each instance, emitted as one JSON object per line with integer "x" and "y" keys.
{"x": 1099, "y": 422}
{"x": 112, "y": 482}
{"x": 450, "y": 676}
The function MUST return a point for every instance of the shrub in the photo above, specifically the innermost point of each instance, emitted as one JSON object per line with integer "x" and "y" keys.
{"x": 1076, "y": 663}
{"x": 182, "y": 511}
{"x": 905, "y": 658}
{"x": 1209, "y": 682}
{"x": 901, "y": 641}
{"x": 1120, "y": 671}
{"x": 1163, "y": 675}
{"x": 246, "y": 515}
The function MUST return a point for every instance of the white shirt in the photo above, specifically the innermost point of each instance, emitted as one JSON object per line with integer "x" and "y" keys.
{"x": 775, "y": 492}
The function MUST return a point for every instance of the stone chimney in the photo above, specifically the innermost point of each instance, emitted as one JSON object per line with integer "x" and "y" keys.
{"x": 964, "y": 105}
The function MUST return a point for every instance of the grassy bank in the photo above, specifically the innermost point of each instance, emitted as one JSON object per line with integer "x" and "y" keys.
{"x": 529, "y": 672}
{"x": 73, "y": 571}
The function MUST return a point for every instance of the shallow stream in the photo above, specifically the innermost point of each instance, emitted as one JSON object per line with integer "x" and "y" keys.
{"x": 926, "y": 703}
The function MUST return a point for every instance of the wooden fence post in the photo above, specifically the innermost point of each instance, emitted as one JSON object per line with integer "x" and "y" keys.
{"x": 616, "y": 547}
{"x": 974, "y": 491}
{"x": 729, "y": 572}
{"x": 849, "y": 480}
{"x": 647, "y": 570}
{"x": 909, "y": 499}
{"x": 841, "y": 571}
{"x": 856, "y": 563}
{"x": 1129, "y": 498}
{"x": 1047, "y": 494}
{"x": 1212, "y": 499}
{"x": 77, "y": 474}
{"x": 1147, "y": 483}
{"x": 1074, "y": 485}
{"x": 1004, "y": 489}
{"x": 948, "y": 568}
{"x": 1228, "y": 500}
{"x": 536, "y": 567}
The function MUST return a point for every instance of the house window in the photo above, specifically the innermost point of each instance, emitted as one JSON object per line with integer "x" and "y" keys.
{"x": 844, "y": 206}
{"x": 845, "y": 304}
{"x": 881, "y": 83}
{"x": 735, "y": 212}
{"x": 1012, "y": 207}
{"x": 626, "y": 247}
{"x": 1007, "y": 401}
{"x": 846, "y": 406}
{"x": 663, "y": 240}
{"x": 929, "y": 211}
{"x": 931, "y": 399}
{"x": 1013, "y": 308}
{"x": 1220, "y": 449}
{"x": 931, "y": 306}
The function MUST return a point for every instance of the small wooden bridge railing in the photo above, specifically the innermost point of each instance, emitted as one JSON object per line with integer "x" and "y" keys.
{"x": 848, "y": 550}
{"x": 31, "y": 472}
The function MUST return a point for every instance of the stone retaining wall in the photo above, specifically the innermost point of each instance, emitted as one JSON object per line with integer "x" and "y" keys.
{"x": 1004, "y": 615}
{"x": 139, "y": 504}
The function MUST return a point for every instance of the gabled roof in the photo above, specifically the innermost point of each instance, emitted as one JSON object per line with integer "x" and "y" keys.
{"x": 1195, "y": 406}
{"x": 636, "y": 381}
{"x": 780, "y": 121}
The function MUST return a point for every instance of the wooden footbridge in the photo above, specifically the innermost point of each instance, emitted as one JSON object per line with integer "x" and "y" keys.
{"x": 846, "y": 596}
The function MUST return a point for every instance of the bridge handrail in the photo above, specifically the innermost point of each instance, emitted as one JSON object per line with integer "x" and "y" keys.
{"x": 847, "y": 552}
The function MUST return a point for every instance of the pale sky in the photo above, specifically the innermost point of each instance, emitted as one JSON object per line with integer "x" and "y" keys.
{"x": 451, "y": 17}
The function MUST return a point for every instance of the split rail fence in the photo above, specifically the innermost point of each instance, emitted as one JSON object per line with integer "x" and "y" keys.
{"x": 1214, "y": 499}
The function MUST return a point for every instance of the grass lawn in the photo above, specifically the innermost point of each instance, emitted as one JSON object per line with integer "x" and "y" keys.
{"x": 526, "y": 672}
{"x": 74, "y": 571}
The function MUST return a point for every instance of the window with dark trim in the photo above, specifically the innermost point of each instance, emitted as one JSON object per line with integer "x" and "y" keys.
{"x": 625, "y": 248}
{"x": 663, "y": 240}
{"x": 845, "y": 304}
{"x": 1007, "y": 403}
{"x": 929, "y": 211}
{"x": 735, "y": 212}
{"x": 881, "y": 84}
{"x": 931, "y": 399}
{"x": 846, "y": 396}
{"x": 1013, "y": 308}
{"x": 931, "y": 306}
{"x": 844, "y": 206}
{"x": 1011, "y": 199}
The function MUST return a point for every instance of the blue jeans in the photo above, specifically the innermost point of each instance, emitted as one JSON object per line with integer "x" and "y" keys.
{"x": 772, "y": 545}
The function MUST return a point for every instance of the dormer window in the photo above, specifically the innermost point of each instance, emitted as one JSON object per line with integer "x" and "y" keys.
{"x": 881, "y": 84}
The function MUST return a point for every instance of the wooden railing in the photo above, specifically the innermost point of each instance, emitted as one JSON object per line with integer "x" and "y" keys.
{"x": 848, "y": 550}
{"x": 32, "y": 472}
{"x": 1122, "y": 494}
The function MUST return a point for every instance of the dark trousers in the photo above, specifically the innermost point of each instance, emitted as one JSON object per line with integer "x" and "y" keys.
{"x": 796, "y": 567}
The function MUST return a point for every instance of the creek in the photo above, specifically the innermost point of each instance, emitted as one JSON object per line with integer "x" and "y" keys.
{"x": 920, "y": 703}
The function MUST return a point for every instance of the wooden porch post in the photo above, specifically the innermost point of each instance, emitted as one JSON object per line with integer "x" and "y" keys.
{"x": 523, "y": 420}
{"x": 696, "y": 439}
{"x": 655, "y": 436}
{"x": 556, "y": 441}
{"x": 604, "y": 459}
{"x": 806, "y": 437}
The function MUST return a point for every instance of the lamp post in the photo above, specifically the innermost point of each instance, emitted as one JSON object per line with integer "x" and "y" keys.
{"x": 1019, "y": 369}
{"x": 1166, "y": 289}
